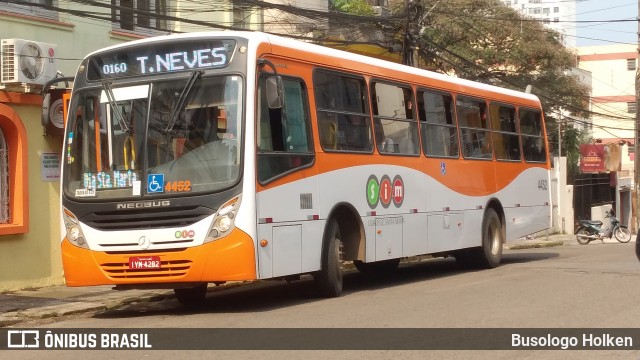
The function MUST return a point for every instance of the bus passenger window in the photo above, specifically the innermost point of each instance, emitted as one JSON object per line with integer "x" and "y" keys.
{"x": 438, "y": 126}
{"x": 474, "y": 128}
{"x": 506, "y": 141}
{"x": 395, "y": 129}
{"x": 342, "y": 112}
{"x": 533, "y": 144}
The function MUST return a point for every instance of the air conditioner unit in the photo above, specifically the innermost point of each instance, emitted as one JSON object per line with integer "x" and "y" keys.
{"x": 27, "y": 62}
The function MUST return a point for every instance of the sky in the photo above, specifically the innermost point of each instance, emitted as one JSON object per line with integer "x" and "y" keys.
{"x": 606, "y": 33}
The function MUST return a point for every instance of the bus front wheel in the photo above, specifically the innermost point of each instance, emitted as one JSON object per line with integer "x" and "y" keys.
{"x": 328, "y": 279}
{"x": 191, "y": 296}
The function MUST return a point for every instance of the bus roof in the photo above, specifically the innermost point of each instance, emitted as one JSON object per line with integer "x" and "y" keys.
{"x": 323, "y": 50}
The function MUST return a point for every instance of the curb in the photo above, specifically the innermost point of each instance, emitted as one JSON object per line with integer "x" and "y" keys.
{"x": 74, "y": 308}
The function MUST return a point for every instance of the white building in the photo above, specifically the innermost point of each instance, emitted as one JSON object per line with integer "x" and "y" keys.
{"x": 613, "y": 100}
{"x": 559, "y": 15}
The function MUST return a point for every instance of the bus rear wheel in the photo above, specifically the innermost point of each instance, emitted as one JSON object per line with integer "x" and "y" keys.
{"x": 191, "y": 296}
{"x": 489, "y": 254}
{"x": 328, "y": 280}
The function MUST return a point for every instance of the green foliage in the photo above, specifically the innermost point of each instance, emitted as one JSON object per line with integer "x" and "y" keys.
{"x": 353, "y": 7}
{"x": 571, "y": 140}
{"x": 484, "y": 40}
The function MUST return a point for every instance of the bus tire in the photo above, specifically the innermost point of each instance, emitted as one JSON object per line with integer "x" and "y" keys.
{"x": 377, "y": 268}
{"x": 191, "y": 296}
{"x": 489, "y": 255}
{"x": 328, "y": 280}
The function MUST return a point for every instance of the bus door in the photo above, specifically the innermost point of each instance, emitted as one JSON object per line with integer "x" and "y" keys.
{"x": 287, "y": 196}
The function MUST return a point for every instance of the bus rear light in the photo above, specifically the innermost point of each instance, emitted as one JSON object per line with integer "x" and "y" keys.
{"x": 313, "y": 217}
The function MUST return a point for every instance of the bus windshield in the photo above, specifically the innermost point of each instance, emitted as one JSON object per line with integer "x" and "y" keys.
{"x": 162, "y": 138}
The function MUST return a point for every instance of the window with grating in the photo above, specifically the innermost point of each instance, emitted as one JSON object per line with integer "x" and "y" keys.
{"x": 4, "y": 180}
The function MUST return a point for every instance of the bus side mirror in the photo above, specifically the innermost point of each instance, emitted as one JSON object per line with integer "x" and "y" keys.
{"x": 275, "y": 92}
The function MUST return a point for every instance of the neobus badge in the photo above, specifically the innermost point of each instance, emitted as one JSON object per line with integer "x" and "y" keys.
{"x": 143, "y": 204}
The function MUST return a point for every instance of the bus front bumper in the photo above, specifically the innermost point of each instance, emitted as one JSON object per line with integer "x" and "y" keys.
{"x": 231, "y": 258}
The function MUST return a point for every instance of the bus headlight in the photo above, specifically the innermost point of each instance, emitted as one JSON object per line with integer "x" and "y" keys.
{"x": 223, "y": 221}
{"x": 74, "y": 233}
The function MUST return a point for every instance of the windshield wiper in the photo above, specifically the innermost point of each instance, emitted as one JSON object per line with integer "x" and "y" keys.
{"x": 106, "y": 85}
{"x": 195, "y": 76}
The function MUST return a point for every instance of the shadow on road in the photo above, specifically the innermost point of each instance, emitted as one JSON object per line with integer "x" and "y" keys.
{"x": 262, "y": 296}
{"x": 520, "y": 256}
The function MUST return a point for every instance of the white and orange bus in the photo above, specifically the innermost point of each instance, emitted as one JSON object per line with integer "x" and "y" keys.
{"x": 227, "y": 156}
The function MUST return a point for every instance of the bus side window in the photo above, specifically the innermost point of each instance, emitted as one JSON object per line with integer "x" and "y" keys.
{"x": 395, "y": 128}
{"x": 506, "y": 142}
{"x": 533, "y": 145}
{"x": 438, "y": 124}
{"x": 284, "y": 135}
{"x": 342, "y": 112}
{"x": 474, "y": 128}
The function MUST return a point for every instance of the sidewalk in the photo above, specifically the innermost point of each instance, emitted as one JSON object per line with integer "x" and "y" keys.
{"x": 57, "y": 301}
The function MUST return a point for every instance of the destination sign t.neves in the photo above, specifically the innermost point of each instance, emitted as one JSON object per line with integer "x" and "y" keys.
{"x": 160, "y": 58}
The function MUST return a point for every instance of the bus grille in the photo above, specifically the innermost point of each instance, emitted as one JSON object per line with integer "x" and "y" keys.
{"x": 146, "y": 218}
{"x": 168, "y": 269}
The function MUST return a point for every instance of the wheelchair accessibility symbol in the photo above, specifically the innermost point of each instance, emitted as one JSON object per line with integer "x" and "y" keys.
{"x": 155, "y": 183}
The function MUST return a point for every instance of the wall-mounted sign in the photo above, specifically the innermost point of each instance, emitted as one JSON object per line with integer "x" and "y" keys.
{"x": 50, "y": 166}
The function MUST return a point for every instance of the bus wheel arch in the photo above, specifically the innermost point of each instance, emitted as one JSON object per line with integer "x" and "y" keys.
{"x": 351, "y": 231}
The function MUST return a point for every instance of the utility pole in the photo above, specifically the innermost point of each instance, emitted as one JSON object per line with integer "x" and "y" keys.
{"x": 636, "y": 147}
{"x": 414, "y": 17}
{"x": 407, "y": 41}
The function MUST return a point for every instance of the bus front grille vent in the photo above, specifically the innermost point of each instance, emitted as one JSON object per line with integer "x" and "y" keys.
{"x": 168, "y": 269}
{"x": 146, "y": 218}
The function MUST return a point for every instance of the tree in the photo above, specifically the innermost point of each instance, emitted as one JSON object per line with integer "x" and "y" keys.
{"x": 486, "y": 41}
{"x": 353, "y": 7}
{"x": 570, "y": 144}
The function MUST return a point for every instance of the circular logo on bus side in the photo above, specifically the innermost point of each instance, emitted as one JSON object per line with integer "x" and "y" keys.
{"x": 373, "y": 191}
{"x": 398, "y": 191}
{"x": 385, "y": 191}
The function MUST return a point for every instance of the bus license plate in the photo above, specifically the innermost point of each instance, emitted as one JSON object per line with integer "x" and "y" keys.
{"x": 144, "y": 262}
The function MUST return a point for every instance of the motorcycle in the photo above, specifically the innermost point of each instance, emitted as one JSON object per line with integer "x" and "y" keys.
{"x": 589, "y": 231}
